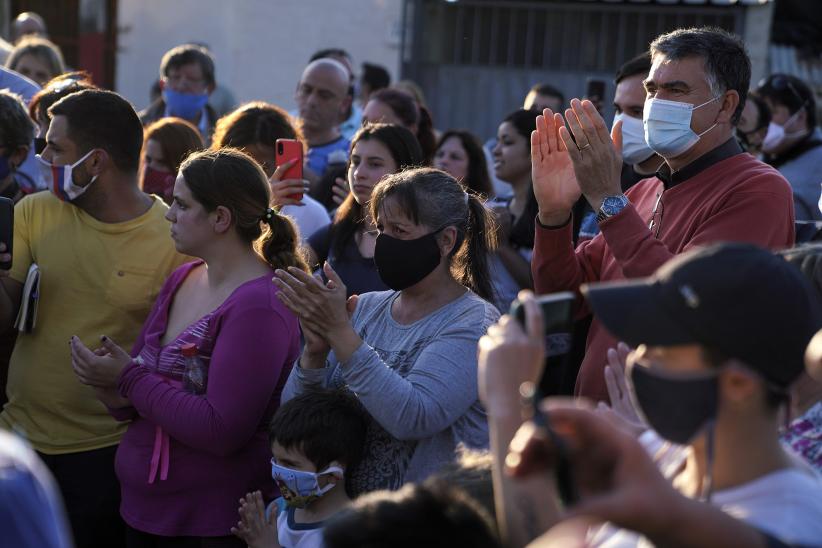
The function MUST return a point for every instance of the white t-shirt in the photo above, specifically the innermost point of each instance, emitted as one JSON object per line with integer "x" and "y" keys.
{"x": 292, "y": 534}
{"x": 309, "y": 218}
{"x": 787, "y": 504}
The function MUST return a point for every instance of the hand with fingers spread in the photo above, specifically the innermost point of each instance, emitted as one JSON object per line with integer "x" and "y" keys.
{"x": 100, "y": 368}
{"x": 622, "y": 411}
{"x": 552, "y": 173}
{"x": 253, "y": 528}
{"x": 323, "y": 309}
{"x": 596, "y": 155}
{"x": 288, "y": 192}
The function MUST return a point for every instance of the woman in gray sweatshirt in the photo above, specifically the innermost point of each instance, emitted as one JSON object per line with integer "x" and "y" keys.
{"x": 409, "y": 354}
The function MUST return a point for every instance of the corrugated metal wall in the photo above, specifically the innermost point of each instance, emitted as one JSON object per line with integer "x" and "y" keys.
{"x": 475, "y": 60}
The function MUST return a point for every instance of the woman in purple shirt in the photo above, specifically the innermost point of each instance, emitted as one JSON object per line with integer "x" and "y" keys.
{"x": 197, "y": 441}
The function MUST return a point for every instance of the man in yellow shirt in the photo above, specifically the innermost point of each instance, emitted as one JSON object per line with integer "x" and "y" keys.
{"x": 103, "y": 249}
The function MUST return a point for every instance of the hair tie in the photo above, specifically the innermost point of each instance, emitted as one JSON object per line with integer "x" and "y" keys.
{"x": 268, "y": 216}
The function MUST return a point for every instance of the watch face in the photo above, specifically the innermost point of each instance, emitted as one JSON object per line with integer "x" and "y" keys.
{"x": 614, "y": 204}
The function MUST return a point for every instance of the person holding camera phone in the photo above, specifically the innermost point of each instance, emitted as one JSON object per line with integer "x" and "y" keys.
{"x": 707, "y": 191}
{"x": 710, "y": 379}
{"x": 255, "y": 128}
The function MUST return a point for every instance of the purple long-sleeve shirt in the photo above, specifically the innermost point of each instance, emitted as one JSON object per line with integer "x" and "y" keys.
{"x": 217, "y": 442}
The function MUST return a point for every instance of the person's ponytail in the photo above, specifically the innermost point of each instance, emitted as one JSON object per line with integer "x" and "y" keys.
{"x": 471, "y": 265}
{"x": 279, "y": 244}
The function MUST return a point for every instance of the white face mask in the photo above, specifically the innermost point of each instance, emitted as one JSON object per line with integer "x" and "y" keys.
{"x": 59, "y": 181}
{"x": 634, "y": 148}
{"x": 776, "y": 134}
{"x": 668, "y": 126}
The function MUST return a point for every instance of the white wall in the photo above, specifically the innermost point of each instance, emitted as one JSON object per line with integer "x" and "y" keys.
{"x": 260, "y": 46}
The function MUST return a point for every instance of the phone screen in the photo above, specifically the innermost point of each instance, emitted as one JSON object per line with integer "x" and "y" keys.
{"x": 558, "y": 327}
{"x": 595, "y": 90}
{"x": 6, "y": 228}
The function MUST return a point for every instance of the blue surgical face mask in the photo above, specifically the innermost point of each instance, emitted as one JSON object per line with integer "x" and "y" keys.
{"x": 299, "y": 488}
{"x": 184, "y": 105}
{"x": 668, "y": 126}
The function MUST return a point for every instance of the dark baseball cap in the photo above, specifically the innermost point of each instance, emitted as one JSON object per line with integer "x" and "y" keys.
{"x": 740, "y": 299}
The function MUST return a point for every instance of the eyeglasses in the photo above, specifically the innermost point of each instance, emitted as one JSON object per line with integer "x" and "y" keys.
{"x": 656, "y": 221}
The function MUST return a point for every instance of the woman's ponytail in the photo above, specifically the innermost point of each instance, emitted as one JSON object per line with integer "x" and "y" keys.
{"x": 279, "y": 244}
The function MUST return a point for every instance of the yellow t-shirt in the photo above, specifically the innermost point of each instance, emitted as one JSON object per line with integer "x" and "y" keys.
{"x": 95, "y": 278}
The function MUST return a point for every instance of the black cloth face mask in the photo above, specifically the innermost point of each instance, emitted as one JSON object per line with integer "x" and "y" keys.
{"x": 403, "y": 263}
{"x": 676, "y": 408}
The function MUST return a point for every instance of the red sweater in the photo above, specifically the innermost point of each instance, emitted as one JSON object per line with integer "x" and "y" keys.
{"x": 736, "y": 199}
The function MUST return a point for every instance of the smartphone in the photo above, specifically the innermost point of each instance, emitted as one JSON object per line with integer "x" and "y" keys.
{"x": 557, "y": 312}
{"x": 291, "y": 149}
{"x": 595, "y": 90}
{"x": 6, "y": 228}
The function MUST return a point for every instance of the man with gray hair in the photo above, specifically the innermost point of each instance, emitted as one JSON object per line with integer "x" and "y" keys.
{"x": 16, "y": 134}
{"x": 706, "y": 191}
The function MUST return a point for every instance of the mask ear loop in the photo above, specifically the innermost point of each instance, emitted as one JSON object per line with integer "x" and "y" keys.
{"x": 708, "y": 478}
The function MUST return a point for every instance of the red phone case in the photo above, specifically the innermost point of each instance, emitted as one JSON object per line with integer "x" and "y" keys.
{"x": 290, "y": 149}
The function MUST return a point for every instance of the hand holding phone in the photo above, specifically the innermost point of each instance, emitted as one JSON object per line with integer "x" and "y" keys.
{"x": 290, "y": 151}
{"x": 6, "y": 232}
{"x": 557, "y": 312}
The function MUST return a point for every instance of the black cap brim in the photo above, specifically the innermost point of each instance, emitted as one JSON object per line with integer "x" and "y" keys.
{"x": 633, "y": 312}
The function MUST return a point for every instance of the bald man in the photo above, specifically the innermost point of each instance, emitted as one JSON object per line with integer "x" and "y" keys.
{"x": 28, "y": 23}
{"x": 323, "y": 99}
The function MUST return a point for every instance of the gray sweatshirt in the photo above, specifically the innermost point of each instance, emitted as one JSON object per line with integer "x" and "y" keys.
{"x": 418, "y": 382}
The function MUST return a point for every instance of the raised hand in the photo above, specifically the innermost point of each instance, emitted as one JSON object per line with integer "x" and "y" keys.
{"x": 552, "y": 172}
{"x": 596, "y": 155}
{"x": 621, "y": 412}
{"x": 284, "y": 192}
{"x": 340, "y": 190}
{"x": 509, "y": 356}
{"x": 253, "y": 528}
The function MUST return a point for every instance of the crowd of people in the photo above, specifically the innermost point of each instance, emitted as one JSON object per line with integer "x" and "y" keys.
{"x": 205, "y": 351}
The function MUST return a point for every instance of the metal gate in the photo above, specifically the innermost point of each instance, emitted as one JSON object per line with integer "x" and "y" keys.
{"x": 476, "y": 59}
{"x": 85, "y": 30}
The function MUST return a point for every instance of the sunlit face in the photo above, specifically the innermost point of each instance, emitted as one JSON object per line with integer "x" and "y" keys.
{"x": 512, "y": 154}
{"x": 190, "y": 227}
{"x": 452, "y": 158}
{"x": 629, "y": 97}
{"x": 393, "y": 221}
{"x": 154, "y": 158}
{"x": 33, "y": 67}
{"x": 686, "y": 81}
{"x": 265, "y": 155}
{"x": 321, "y": 97}
{"x": 187, "y": 78}
{"x": 370, "y": 162}
{"x": 378, "y": 112}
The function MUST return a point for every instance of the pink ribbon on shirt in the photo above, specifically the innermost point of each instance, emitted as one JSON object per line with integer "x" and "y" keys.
{"x": 162, "y": 444}
{"x": 159, "y": 456}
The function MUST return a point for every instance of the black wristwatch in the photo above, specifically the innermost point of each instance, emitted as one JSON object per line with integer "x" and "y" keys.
{"x": 611, "y": 205}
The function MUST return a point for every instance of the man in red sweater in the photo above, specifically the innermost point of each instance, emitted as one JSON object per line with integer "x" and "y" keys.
{"x": 708, "y": 190}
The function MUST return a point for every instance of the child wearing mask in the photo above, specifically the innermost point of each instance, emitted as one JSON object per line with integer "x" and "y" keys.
{"x": 315, "y": 438}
